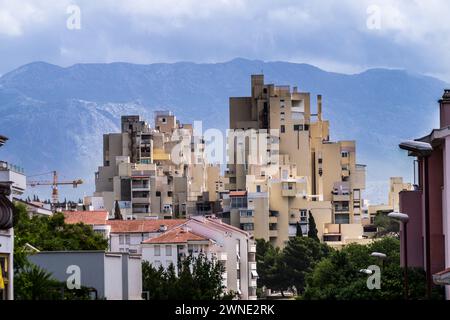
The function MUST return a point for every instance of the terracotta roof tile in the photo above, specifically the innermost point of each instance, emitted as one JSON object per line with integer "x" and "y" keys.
{"x": 86, "y": 217}
{"x": 141, "y": 226}
{"x": 176, "y": 235}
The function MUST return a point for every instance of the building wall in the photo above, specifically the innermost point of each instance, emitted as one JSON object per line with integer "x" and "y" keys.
{"x": 113, "y": 276}
{"x": 446, "y": 204}
{"x": 436, "y": 222}
{"x": 108, "y": 273}
{"x": 411, "y": 204}
{"x": 91, "y": 263}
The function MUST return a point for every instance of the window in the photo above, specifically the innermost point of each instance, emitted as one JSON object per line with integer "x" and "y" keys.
{"x": 303, "y": 215}
{"x": 163, "y": 120}
{"x": 238, "y": 202}
{"x": 158, "y": 193}
{"x": 247, "y": 226}
{"x": 168, "y": 250}
{"x": 246, "y": 213}
{"x": 121, "y": 239}
{"x": 258, "y": 188}
{"x": 158, "y": 264}
{"x": 298, "y": 127}
{"x": 157, "y": 250}
{"x": 282, "y": 129}
{"x": 127, "y": 239}
{"x": 265, "y": 90}
{"x": 344, "y": 154}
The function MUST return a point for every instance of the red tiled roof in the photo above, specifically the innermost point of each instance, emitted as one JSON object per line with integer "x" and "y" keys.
{"x": 176, "y": 235}
{"x": 86, "y": 217}
{"x": 141, "y": 226}
{"x": 238, "y": 193}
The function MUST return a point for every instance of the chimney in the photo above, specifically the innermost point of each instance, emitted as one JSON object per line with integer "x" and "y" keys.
{"x": 444, "y": 109}
{"x": 319, "y": 107}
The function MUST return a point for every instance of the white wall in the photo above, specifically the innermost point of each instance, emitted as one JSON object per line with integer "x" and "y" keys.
{"x": 135, "y": 241}
{"x": 113, "y": 277}
{"x": 227, "y": 240}
{"x": 134, "y": 278}
{"x": 148, "y": 254}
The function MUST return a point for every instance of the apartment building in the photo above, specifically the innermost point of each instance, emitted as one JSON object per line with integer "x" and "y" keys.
{"x": 12, "y": 183}
{"x": 434, "y": 178}
{"x": 295, "y": 169}
{"x": 396, "y": 185}
{"x": 217, "y": 241}
{"x": 166, "y": 241}
{"x": 139, "y": 179}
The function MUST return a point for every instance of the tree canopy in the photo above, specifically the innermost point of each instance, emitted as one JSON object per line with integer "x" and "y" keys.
{"x": 197, "y": 279}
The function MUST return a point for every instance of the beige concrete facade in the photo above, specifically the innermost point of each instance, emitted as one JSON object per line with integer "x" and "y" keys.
{"x": 311, "y": 174}
{"x": 140, "y": 175}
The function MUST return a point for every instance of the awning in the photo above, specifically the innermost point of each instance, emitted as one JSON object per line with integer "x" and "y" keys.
{"x": 442, "y": 277}
{"x": 254, "y": 274}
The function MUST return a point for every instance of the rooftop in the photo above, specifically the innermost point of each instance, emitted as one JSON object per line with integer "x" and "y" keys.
{"x": 141, "y": 226}
{"x": 86, "y": 217}
{"x": 177, "y": 235}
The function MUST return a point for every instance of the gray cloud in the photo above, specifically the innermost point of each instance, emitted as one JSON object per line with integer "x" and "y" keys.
{"x": 413, "y": 35}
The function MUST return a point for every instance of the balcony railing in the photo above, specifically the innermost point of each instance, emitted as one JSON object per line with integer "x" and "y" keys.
{"x": 5, "y": 166}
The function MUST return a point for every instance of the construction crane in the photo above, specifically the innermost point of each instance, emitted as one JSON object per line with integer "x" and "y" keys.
{"x": 55, "y": 183}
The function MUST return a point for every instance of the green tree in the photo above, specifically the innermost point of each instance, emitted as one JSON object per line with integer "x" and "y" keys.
{"x": 197, "y": 279}
{"x": 337, "y": 276}
{"x": 312, "y": 229}
{"x": 300, "y": 256}
{"x": 385, "y": 225}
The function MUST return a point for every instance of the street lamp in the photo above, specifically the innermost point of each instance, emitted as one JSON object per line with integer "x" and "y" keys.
{"x": 380, "y": 256}
{"x": 366, "y": 271}
{"x": 403, "y": 218}
{"x": 423, "y": 150}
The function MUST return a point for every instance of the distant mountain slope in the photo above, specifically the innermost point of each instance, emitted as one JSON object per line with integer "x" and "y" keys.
{"x": 56, "y": 116}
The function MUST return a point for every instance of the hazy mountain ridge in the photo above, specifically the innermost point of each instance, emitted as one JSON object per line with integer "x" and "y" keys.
{"x": 56, "y": 116}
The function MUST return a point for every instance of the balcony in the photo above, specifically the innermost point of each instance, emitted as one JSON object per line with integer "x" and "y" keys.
{"x": 247, "y": 220}
{"x": 288, "y": 192}
{"x": 140, "y": 186}
{"x": 273, "y": 233}
{"x": 341, "y": 197}
{"x": 230, "y": 186}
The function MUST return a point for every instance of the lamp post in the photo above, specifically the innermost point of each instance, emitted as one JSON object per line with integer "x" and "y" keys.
{"x": 403, "y": 219}
{"x": 380, "y": 256}
{"x": 423, "y": 150}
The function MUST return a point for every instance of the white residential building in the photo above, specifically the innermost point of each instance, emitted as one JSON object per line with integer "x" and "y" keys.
{"x": 218, "y": 241}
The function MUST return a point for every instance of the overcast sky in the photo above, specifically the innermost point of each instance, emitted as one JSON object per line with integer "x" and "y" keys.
{"x": 344, "y": 36}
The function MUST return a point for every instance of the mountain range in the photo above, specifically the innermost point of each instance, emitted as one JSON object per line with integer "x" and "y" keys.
{"x": 55, "y": 116}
